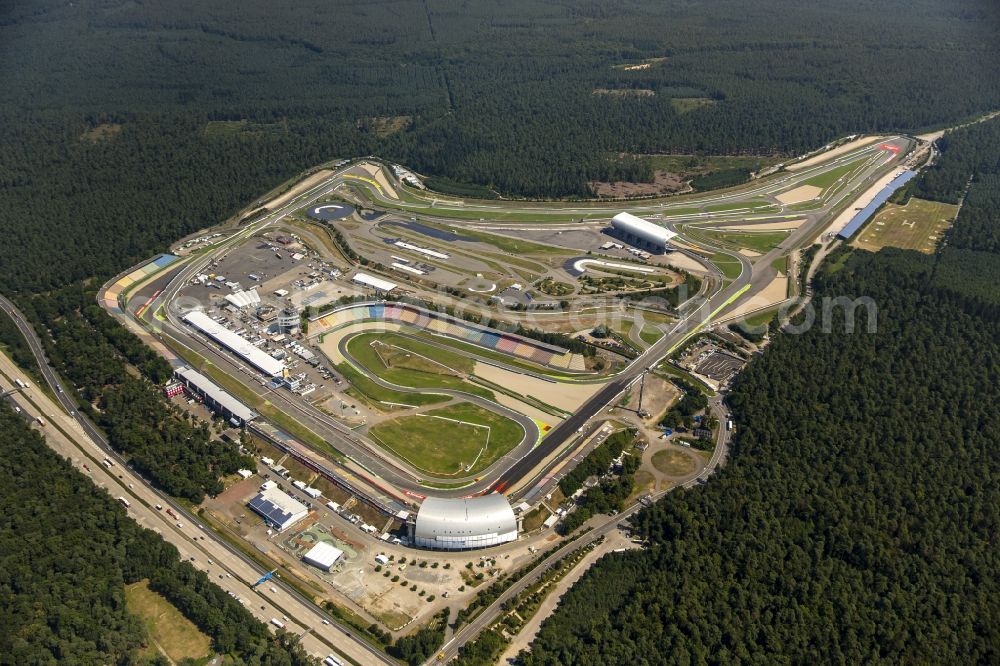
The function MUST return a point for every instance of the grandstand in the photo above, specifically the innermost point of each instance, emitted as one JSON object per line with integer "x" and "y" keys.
{"x": 437, "y": 322}
{"x": 866, "y": 213}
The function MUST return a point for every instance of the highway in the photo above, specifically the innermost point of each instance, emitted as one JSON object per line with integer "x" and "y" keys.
{"x": 79, "y": 440}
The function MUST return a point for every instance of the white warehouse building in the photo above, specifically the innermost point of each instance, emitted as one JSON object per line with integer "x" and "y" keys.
{"x": 641, "y": 233}
{"x": 323, "y": 556}
{"x": 460, "y": 524}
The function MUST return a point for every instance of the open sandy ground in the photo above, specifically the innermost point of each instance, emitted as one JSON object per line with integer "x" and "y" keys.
{"x": 830, "y": 154}
{"x": 562, "y": 395}
{"x": 683, "y": 262}
{"x": 296, "y": 190}
{"x": 799, "y": 194}
{"x": 785, "y": 225}
{"x": 526, "y": 409}
{"x": 749, "y": 253}
{"x": 375, "y": 172}
{"x": 772, "y": 294}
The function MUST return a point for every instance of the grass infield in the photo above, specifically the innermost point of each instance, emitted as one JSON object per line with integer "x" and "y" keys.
{"x": 439, "y": 445}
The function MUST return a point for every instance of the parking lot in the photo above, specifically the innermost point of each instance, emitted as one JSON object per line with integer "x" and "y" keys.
{"x": 719, "y": 366}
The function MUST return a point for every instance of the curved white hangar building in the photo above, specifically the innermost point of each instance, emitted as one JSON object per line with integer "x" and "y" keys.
{"x": 641, "y": 233}
{"x": 460, "y": 524}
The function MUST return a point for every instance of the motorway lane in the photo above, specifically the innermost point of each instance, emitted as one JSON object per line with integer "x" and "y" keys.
{"x": 285, "y": 602}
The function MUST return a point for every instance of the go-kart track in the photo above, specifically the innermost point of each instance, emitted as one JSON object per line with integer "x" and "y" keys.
{"x": 434, "y": 364}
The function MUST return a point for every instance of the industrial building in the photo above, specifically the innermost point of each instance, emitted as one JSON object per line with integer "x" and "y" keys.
{"x": 641, "y": 233}
{"x": 461, "y": 524}
{"x": 278, "y": 509}
{"x": 215, "y": 397}
{"x": 234, "y": 343}
{"x": 323, "y": 556}
{"x": 376, "y": 283}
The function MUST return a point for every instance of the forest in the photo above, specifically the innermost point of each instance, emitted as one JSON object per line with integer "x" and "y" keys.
{"x": 125, "y": 126}
{"x": 94, "y": 353}
{"x": 62, "y": 589}
{"x": 857, "y": 518}
{"x": 153, "y": 120}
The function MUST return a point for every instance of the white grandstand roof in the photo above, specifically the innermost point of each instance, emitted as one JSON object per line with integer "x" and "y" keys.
{"x": 323, "y": 555}
{"x": 457, "y": 524}
{"x": 242, "y": 299}
{"x": 374, "y": 282}
{"x": 642, "y": 228}
{"x": 239, "y": 346}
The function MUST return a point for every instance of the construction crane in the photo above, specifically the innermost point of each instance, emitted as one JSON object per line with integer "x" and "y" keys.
{"x": 263, "y": 579}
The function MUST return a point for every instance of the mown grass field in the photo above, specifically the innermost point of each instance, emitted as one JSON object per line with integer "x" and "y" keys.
{"x": 758, "y": 241}
{"x": 650, "y": 334}
{"x": 672, "y": 462}
{"x": 444, "y": 448}
{"x": 730, "y": 267}
{"x": 167, "y": 627}
{"x": 373, "y": 391}
{"x": 828, "y": 178}
{"x": 916, "y": 226}
{"x": 433, "y": 371}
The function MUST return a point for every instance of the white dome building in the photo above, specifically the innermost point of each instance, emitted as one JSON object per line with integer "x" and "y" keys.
{"x": 461, "y": 524}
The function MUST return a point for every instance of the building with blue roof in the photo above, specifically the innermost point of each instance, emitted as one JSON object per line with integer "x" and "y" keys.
{"x": 865, "y": 213}
{"x": 278, "y": 509}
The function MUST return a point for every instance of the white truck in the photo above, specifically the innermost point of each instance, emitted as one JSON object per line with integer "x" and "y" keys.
{"x": 124, "y": 502}
{"x": 278, "y": 623}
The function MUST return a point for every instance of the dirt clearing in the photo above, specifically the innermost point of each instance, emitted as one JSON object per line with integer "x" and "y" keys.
{"x": 298, "y": 189}
{"x": 664, "y": 182}
{"x": 830, "y": 154}
{"x": 772, "y": 294}
{"x": 558, "y": 394}
{"x": 799, "y": 194}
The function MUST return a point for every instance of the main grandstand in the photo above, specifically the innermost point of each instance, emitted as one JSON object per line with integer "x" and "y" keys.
{"x": 460, "y": 524}
{"x": 510, "y": 343}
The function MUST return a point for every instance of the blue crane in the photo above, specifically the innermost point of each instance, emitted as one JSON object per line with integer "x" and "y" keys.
{"x": 263, "y": 579}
